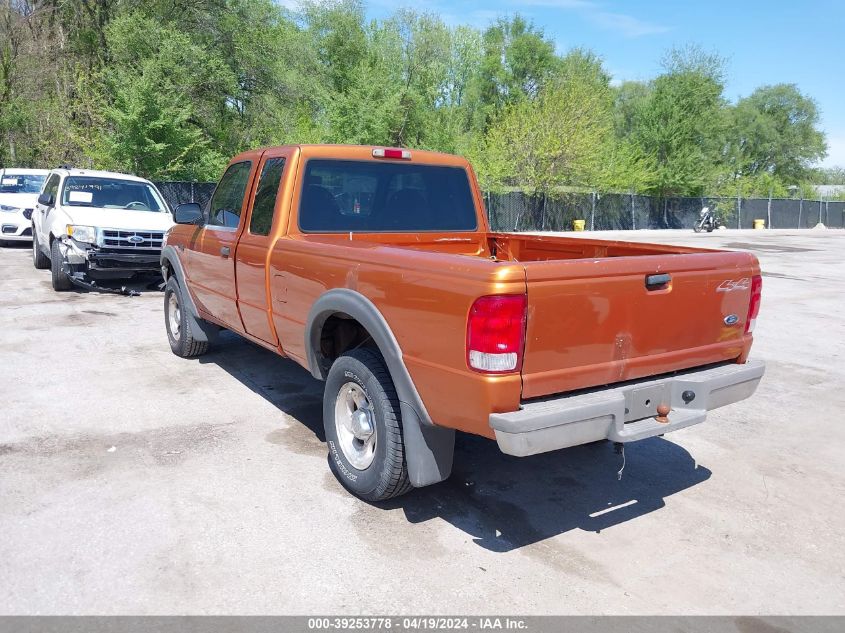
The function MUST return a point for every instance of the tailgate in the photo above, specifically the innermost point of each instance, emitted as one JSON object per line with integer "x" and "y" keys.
{"x": 595, "y": 322}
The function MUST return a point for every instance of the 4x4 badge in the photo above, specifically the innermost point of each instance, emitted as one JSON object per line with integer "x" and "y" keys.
{"x": 730, "y": 285}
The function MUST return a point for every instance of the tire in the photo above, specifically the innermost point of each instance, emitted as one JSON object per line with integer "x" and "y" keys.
{"x": 59, "y": 278}
{"x": 374, "y": 468}
{"x": 39, "y": 259}
{"x": 697, "y": 227}
{"x": 179, "y": 334}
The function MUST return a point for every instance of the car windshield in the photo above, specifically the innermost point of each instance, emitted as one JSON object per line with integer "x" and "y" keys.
{"x": 370, "y": 196}
{"x": 21, "y": 183}
{"x": 111, "y": 193}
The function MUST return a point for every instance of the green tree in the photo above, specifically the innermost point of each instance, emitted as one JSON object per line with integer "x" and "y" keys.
{"x": 517, "y": 60}
{"x": 151, "y": 125}
{"x": 680, "y": 122}
{"x": 774, "y": 131}
{"x": 553, "y": 141}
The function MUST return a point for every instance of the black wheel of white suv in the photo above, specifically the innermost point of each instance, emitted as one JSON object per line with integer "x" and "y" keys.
{"x": 39, "y": 259}
{"x": 58, "y": 276}
{"x": 363, "y": 427}
{"x": 179, "y": 333}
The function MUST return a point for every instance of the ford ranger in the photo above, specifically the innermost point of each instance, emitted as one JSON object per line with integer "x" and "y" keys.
{"x": 375, "y": 269}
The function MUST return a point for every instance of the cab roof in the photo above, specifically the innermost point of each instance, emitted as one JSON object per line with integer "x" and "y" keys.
{"x": 94, "y": 173}
{"x": 23, "y": 171}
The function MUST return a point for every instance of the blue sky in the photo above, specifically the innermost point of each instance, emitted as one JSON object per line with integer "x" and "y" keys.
{"x": 765, "y": 42}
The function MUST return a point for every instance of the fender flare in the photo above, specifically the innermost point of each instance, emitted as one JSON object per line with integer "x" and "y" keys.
{"x": 201, "y": 329}
{"x": 429, "y": 449}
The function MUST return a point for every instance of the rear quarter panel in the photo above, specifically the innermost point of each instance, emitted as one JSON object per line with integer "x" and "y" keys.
{"x": 423, "y": 296}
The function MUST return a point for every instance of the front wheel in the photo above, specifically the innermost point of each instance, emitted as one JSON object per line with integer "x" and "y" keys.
{"x": 363, "y": 427}
{"x": 179, "y": 335}
{"x": 39, "y": 259}
{"x": 58, "y": 276}
{"x": 697, "y": 227}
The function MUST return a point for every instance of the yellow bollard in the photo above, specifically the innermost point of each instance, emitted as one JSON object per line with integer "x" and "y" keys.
{"x": 759, "y": 224}
{"x": 578, "y": 225}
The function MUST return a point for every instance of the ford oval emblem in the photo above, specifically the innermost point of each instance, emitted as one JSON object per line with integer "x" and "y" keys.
{"x": 731, "y": 319}
{"x": 135, "y": 239}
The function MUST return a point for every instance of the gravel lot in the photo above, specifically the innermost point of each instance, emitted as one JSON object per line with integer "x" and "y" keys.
{"x": 132, "y": 481}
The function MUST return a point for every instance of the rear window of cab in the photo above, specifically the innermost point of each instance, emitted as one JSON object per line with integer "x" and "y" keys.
{"x": 341, "y": 196}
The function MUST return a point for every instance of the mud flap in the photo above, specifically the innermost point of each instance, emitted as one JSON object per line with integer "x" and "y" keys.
{"x": 201, "y": 330}
{"x": 428, "y": 449}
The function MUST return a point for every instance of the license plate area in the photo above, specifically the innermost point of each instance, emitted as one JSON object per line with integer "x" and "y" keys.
{"x": 642, "y": 402}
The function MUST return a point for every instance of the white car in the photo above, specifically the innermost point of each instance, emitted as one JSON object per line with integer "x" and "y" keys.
{"x": 90, "y": 226}
{"x": 19, "y": 190}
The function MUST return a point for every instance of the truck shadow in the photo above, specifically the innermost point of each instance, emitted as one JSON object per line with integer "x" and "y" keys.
{"x": 502, "y": 502}
{"x": 505, "y": 502}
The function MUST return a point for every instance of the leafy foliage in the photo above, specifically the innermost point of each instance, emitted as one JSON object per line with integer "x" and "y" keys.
{"x": 172, "y": 88}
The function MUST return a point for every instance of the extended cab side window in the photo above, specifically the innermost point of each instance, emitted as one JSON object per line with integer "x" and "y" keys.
{"x": 228, "y": 199}
{"x": 265, "y": 196}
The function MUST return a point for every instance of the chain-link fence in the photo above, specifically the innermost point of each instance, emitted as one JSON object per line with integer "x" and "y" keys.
{"x": 176, "y": 193}
{"x": 518, "y": 211}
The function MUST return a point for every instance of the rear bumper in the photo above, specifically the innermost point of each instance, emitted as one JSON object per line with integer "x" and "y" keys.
{"x": 624, "y": 413}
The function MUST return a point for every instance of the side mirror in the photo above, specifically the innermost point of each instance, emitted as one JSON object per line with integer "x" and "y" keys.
{"x": 188, "y": 213}
{"x": 46, "y": 199}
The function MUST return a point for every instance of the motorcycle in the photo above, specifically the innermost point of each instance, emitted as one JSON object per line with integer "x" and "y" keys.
{"x": 706, "y": 222}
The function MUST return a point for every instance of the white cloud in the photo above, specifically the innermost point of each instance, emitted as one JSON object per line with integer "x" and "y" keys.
{"x": 628, "y": 25}
{"x": 561, "y": 4}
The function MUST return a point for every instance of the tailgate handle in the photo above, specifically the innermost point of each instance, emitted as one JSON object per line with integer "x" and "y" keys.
{"x": 655, "y": 282}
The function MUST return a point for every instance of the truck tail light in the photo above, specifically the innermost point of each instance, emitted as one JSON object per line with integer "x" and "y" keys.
{"x": 496, "y": 333}
{"x": 381, "y": 152}
{"x": 754, "y": 303}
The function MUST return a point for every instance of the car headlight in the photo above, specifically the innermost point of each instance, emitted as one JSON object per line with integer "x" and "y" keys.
{"x": 86, "y": 234}
{"x": 8, "y": 209}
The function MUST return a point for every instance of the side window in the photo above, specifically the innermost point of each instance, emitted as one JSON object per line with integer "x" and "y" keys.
{"x": 52, "y": 186}
{"x": 228, "y": 198}
{"x": 265, "y": 196}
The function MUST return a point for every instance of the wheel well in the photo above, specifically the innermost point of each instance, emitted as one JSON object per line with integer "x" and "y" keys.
{"x": 339, "y": 334}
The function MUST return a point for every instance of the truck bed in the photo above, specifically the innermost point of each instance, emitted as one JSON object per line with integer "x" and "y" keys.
{"x": 592, "y": 318}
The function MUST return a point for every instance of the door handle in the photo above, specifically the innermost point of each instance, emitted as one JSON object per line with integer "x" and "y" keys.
{"x": 657, "y": 282}
{"x": 224, "y": 252}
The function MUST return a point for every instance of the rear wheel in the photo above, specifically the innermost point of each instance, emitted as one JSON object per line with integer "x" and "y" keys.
{"x": 39, "y": 259}
{"x": 363, "y": 427}
{"x": 179, "y": 334}
{"x": 58, "y": 276}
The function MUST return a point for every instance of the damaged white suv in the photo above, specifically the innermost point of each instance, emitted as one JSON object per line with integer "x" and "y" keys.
{"x": 89, "y": 226}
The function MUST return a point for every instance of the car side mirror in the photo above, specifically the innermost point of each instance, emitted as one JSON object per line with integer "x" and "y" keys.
{"x": 188, "y": 213}
{"x": 46, "y": 199}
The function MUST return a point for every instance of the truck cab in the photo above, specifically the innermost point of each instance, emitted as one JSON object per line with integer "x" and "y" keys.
{"x": 375, "y": 269}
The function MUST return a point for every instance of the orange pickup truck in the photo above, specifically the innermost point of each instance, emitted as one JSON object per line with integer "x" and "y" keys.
{"x": 375, "y": 269}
